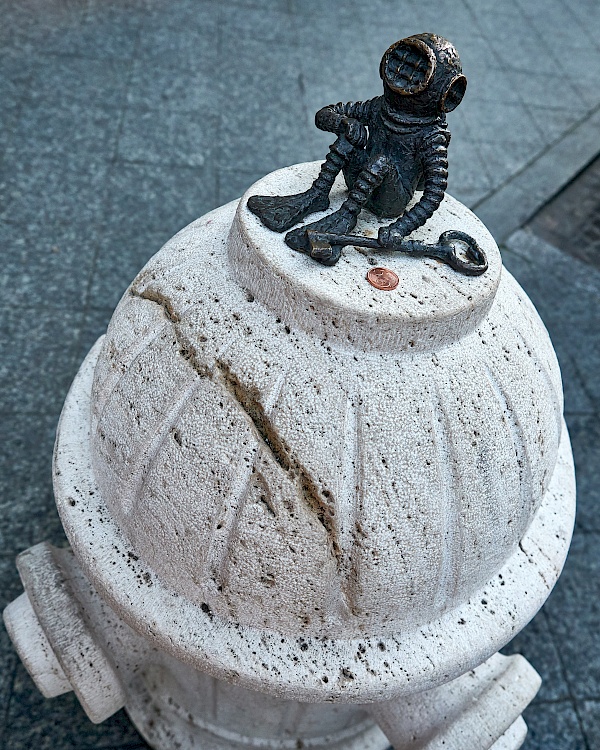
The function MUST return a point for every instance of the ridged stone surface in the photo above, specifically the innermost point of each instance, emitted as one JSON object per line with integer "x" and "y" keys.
{"x": 309, "y": 485}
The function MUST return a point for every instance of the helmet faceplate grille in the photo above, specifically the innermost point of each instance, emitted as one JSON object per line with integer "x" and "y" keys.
{"x": 408, "y": 66}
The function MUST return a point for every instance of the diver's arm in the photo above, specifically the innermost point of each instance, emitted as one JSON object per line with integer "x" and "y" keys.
{"x": 347, "y": 119}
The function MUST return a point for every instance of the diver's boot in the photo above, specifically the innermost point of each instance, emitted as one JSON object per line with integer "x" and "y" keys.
{"x": 341, "y": 221}
{"x": 344, "y": 219}
{"x": 281, "y": 212}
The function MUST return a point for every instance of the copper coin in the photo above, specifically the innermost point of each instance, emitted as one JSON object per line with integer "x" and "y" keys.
{"x": 382, "y": 278}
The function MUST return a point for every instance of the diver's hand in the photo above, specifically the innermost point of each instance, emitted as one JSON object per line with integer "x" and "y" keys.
{"x": 355, "y": 132}
{"x": 391, "y": 236}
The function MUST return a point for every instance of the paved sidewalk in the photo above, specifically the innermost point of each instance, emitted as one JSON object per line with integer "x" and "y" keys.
{"x": 123, "y": 120}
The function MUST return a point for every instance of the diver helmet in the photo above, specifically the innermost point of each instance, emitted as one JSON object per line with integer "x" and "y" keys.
{"x": 423, "y": 74}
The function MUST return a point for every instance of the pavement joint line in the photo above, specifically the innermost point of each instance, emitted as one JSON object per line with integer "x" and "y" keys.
{"x": 491, "y": 44}
{"x": 515, "y": 202}
{"x": 501, "y": 208}
{"x": 589, "y": 114}
{"x": 542, "y": 40}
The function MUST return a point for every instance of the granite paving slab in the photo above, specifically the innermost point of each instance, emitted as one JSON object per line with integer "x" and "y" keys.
{"x": 123, "y": 121}
{"x": 554, "y": 726}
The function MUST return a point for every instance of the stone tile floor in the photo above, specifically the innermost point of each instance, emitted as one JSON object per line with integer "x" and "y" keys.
{"x": 123, "y": 120}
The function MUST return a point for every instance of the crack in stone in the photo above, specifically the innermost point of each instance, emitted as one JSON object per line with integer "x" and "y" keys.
{"x": 248, "y": 399}
{"x": 155, "y": 295}
{"x": 188, "y": 352}
{"x": 186, "y": 348}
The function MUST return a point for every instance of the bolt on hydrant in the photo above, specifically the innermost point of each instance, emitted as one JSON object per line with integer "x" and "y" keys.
{"x": 313, "y": 482}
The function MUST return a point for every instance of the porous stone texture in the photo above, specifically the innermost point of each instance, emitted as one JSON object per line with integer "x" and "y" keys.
{"x": 276, "y": 476}
{"x": 345, "y": 503}
{"x": 329, "y": 471}
{"x": 477, "y": 710}
{"x": 176, "y": 706}
{"x": 92, "y": 651}
{"x": 35, "y": 650}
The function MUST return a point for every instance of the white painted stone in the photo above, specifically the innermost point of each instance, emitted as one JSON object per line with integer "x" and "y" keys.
{"x": 278, "y": 477}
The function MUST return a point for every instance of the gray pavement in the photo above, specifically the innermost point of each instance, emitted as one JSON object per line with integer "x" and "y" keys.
{"x": 123, "y": 120}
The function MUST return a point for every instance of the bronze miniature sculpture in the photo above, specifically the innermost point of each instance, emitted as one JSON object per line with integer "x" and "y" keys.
{"x": 387, "y": 148}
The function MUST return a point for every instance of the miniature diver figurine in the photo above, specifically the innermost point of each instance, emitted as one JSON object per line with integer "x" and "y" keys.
{"x": 387, "y": 148}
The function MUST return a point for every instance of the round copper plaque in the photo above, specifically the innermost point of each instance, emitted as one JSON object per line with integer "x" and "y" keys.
{"x": 382, "y": 278}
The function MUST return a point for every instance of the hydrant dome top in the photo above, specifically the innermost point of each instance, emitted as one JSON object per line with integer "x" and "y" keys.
{"x": 308, "y": 486}
{"x": 431, "y": 306}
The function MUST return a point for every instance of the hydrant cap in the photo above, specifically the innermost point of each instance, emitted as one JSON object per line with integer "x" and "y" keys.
{"x": 288, "y": 450}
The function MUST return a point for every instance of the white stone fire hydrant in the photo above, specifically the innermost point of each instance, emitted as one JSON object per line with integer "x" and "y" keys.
{"x": 304, "y": 512}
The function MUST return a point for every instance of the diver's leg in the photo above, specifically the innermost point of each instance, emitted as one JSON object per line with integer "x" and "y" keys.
{"x": 279, "y": 213}
{"x": 344, "y": 219}
{"x": 354, "y": 165}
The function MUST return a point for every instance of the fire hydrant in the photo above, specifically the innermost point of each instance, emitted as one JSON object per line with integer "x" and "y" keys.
{"x": 304, "y": 511}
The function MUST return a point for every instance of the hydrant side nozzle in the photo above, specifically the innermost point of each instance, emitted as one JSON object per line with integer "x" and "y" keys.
{"x": 480, "y": 706}
{"x": 55, "y": 618}
{"x": 34, "y": 649}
